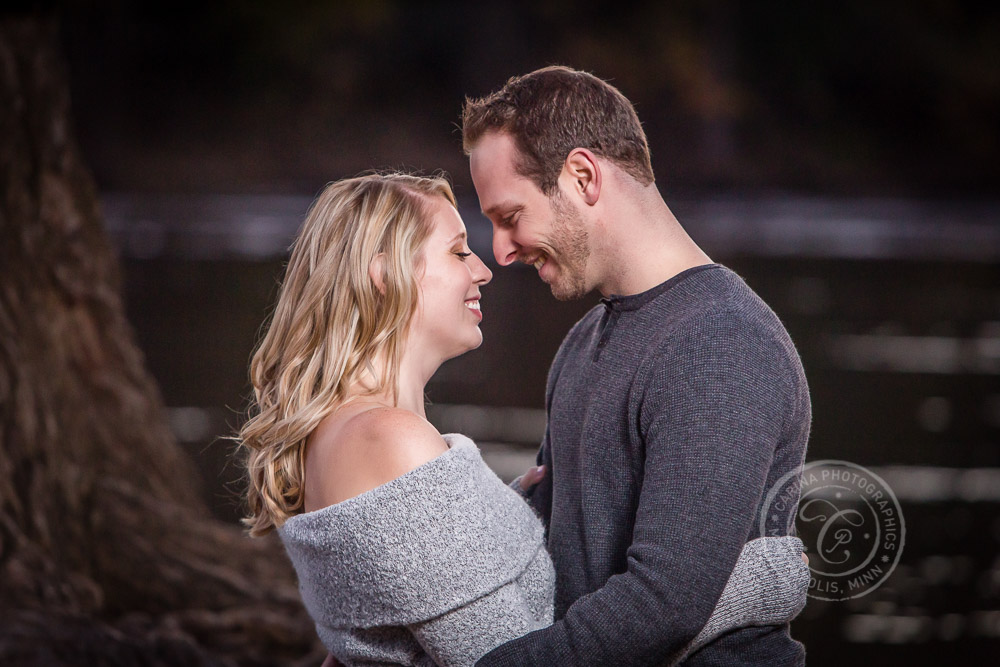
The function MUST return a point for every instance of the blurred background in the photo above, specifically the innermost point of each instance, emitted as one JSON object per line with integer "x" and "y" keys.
{"x": 841, "y": 157}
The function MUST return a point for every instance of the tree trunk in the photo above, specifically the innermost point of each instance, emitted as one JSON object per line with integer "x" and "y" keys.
{"x": 107, "y": 552}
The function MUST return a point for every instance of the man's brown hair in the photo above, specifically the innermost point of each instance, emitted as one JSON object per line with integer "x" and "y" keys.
{"x": 553, "y": 110}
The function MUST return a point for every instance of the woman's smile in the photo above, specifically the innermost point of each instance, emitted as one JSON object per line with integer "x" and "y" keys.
{"x": 473, "y": 305}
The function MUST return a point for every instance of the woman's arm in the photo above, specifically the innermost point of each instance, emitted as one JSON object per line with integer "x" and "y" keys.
{"x": 767, "y": 587}
{"x": 463, "y": 635}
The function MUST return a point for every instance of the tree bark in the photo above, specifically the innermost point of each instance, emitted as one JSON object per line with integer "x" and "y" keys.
{"x": 108, "y": 554}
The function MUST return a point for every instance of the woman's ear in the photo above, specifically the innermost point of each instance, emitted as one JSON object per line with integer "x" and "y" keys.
{"x": 376, "y": 271}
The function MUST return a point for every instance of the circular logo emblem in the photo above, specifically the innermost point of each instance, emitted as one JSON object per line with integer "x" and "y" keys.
{"x": 848, "y": 518}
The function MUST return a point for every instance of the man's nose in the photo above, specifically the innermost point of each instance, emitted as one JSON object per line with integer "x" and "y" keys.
{"x": 504, "y": 247}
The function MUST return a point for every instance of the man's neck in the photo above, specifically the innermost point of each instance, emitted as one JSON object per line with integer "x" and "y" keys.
{"x": 643, "y": 246}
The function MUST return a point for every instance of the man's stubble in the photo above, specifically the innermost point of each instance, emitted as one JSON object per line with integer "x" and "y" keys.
{"x": 571, "y": 240}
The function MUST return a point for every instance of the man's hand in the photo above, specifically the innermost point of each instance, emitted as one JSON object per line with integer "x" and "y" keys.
{"x": 532, "y": 477}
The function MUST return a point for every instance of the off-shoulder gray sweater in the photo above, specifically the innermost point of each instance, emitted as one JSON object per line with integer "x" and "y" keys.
{"x": 446, "y": 562}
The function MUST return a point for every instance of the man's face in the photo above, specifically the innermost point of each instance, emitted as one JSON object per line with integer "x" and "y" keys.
{"x": 546, "y": 232}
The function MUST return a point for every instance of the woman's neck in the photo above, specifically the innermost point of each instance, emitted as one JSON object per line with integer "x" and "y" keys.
{"x": 411, "y": 396}
{"x": 411, "y": 383}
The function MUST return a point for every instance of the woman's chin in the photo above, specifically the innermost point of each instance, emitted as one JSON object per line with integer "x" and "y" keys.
{"x": 474, "y": 342}
{"x": 469, "y": 346}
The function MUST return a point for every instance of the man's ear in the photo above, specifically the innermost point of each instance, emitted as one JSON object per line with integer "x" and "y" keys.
{"x": 584, "y": 173}
{"x": 376, "y": 271}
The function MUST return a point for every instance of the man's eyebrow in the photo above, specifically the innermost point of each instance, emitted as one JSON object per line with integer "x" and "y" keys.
{"x": 496, "y": 207}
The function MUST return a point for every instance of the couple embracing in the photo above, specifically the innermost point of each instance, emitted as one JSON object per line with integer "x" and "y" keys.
{"x": 673, "y": 406}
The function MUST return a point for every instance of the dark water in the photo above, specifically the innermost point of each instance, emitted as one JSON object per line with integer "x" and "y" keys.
{"x": 894, "y": 307}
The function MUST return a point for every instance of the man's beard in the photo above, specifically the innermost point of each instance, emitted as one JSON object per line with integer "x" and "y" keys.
{"x": 570, "y": 239}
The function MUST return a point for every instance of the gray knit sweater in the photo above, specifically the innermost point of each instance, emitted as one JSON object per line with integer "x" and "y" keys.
{"x": 437, "y": 566}
{"x": 446, "y": 562}
{"x": 671, "y": 413}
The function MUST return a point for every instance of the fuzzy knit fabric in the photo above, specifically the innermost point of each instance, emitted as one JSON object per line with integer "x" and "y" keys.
{"x": 436, "y": 566}
{"x": 445, "y": 563}
{"x": 768, "y": 587}
{"x": 671, "y": 414}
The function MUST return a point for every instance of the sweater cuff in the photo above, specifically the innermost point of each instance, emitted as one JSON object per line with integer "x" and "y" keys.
{"x": 516, "y": 485}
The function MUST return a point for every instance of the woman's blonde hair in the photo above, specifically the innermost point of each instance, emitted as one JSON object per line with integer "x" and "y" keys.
{"x": 331, "y": 322}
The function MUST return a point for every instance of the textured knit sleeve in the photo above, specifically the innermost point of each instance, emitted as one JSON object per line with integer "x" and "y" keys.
{"x": 463, "y": 635}
{"x": 540, "y": 495}
{"x": 440, "y": 550}
{"x": 768, "y": 587}
{"x": 711, "y": 408}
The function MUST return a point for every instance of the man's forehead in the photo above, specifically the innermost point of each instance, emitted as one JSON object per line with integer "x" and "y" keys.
{"x": 493, "y": 163}
{"x": 494, "y": 148}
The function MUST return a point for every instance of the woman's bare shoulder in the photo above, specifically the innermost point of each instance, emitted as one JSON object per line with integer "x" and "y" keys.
{"x": 371, "y": 448}
{"x": 393, "y": 436}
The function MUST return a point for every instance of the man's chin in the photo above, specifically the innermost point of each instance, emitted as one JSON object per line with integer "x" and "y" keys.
{"x": 570, "y": 292}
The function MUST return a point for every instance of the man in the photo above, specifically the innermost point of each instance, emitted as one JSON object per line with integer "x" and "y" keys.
{"x": 673, "y": 406}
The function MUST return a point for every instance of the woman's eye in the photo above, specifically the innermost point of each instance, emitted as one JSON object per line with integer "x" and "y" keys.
{"x": 463, "y": 255}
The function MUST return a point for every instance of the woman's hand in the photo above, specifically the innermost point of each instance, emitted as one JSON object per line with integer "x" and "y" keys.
{"x": 532, "y": 477}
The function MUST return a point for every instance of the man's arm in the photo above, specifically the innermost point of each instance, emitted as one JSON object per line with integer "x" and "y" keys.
{"x": 539, "y": 496}
{"x": 710, "y": 420}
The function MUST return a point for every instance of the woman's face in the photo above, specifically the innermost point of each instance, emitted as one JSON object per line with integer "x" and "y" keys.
{"x": 446, "y": 323}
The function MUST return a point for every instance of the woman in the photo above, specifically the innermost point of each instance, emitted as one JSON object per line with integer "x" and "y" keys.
{"x": 408, "y": 549}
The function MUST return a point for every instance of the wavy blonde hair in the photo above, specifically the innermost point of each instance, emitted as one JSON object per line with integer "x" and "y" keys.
{"x": 331, "y": 322}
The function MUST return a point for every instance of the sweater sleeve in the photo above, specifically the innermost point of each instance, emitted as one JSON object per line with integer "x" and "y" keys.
{"x": 461, "y": 636}
{"x": 439, "y": 550}
{"x": 768, "y": 587}
{"x": 540, "y": 496}
{"x": 710, "y": 415}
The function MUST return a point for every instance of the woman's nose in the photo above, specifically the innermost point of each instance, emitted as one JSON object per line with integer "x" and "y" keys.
{"x": 482, "y": 273}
